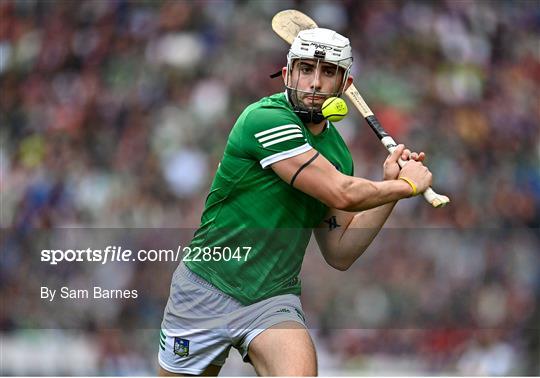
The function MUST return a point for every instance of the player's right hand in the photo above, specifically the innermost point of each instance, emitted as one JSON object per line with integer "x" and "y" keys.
{"x": 418, "y": 173}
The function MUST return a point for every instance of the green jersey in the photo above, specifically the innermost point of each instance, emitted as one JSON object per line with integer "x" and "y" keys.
{"x": 255, "y": 227}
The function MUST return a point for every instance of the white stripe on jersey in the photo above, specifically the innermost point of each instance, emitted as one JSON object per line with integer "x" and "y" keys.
{"x": 276, "y": 141}
{"x": 269, "y": 160}
{"x": 275, "y": 129}
{"x": 281, "y": 133}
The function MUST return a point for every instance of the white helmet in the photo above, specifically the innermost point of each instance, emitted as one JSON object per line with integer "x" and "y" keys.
{"x": 322, "y": 44}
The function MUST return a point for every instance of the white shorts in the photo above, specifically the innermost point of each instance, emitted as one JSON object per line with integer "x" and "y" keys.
{"x": 201, "y": 323}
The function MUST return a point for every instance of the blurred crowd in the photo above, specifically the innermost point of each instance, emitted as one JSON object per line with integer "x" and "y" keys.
{"x": 115, "y": 114}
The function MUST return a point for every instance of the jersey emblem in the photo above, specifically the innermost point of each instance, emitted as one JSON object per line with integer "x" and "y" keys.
{"x": 181, "y": 347}
{"x": 292, "y": 282}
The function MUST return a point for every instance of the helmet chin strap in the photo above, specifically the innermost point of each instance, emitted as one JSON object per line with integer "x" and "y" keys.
{"x": 312, "y": 115}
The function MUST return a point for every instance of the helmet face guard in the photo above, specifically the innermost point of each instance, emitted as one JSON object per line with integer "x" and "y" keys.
{"x": 316, "y": 48}
{"x": 303, "y": 101}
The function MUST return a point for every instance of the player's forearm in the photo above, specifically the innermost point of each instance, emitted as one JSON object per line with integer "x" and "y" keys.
{"x": 372, "y": 219}
{"x": 360, "y": 194}
{"x": 359, "y": 234}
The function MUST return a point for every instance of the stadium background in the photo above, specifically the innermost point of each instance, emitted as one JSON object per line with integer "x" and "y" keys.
{"x": 114, "y": 114}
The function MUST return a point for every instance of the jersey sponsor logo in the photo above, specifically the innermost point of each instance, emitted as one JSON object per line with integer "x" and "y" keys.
{"x": 181, "y": 347}
{"x": 279, "y": 134}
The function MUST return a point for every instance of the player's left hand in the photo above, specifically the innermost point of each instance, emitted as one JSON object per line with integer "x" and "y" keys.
{"x": 391, "y": 166}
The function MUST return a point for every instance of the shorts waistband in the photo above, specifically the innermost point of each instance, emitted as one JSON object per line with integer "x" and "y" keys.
{"x": 194, "y": 277}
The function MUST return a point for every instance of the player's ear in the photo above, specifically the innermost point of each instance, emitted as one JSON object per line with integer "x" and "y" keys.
{"x": 284, "y": 74}
{"x": 348, "y": 83}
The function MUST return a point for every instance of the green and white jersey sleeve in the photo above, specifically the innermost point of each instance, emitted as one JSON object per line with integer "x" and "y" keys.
{"x": 268, "y": 132}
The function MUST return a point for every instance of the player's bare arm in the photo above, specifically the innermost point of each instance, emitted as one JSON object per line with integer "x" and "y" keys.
{"x": 344, "y": 236}
{"x": 321, "y": 180}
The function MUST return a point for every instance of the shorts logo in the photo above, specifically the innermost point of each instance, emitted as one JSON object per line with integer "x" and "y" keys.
{"x": 284, "y": 310}
{"x": 181, "y": 347}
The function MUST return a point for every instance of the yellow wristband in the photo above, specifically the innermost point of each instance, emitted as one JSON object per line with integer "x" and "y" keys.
{"x": 411, "y": 183}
